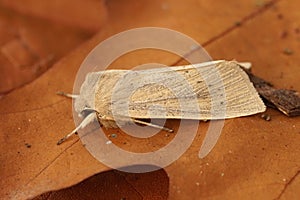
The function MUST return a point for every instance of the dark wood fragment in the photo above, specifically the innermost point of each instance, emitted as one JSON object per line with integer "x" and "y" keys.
{"x": 287, "y": 101}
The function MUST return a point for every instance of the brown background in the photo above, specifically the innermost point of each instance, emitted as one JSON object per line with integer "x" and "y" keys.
{"x": 42, "y": 45}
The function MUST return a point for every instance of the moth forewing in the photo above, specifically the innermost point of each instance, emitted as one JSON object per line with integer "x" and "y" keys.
{"x": 183, "y": 92}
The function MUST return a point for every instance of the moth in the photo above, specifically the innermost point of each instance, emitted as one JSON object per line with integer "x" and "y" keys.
{"x": 205, "y": 91}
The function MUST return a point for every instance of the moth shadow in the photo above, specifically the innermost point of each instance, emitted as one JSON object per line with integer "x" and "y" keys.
{"x": 115, "y": 184}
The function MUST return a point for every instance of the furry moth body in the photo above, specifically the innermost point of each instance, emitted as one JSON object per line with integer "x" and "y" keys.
{"x": 127, "y": 96}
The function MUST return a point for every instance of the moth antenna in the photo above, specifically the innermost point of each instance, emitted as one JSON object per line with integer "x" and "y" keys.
{"x": 90, "y": 118}
{"x": 73, "y": 96}
{"x": 153, "y": 125}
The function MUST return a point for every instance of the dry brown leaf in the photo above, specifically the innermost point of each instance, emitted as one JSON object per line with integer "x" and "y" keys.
{"x": 88, "y": 15}
{"x": 28, "y": 47}
{"x": 253, "y": 158}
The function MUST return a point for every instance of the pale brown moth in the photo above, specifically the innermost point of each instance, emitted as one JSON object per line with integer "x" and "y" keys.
{"x": 205, "y": 91}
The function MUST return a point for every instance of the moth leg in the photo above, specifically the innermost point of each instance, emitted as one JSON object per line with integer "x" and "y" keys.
{"x": 153, "y": 125}
{"x": 90, "y": 118}
{"x": 72, "y": 96}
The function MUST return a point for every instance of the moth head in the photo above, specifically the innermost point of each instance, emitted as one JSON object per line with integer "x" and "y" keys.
{"x": 85, "y": 102}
